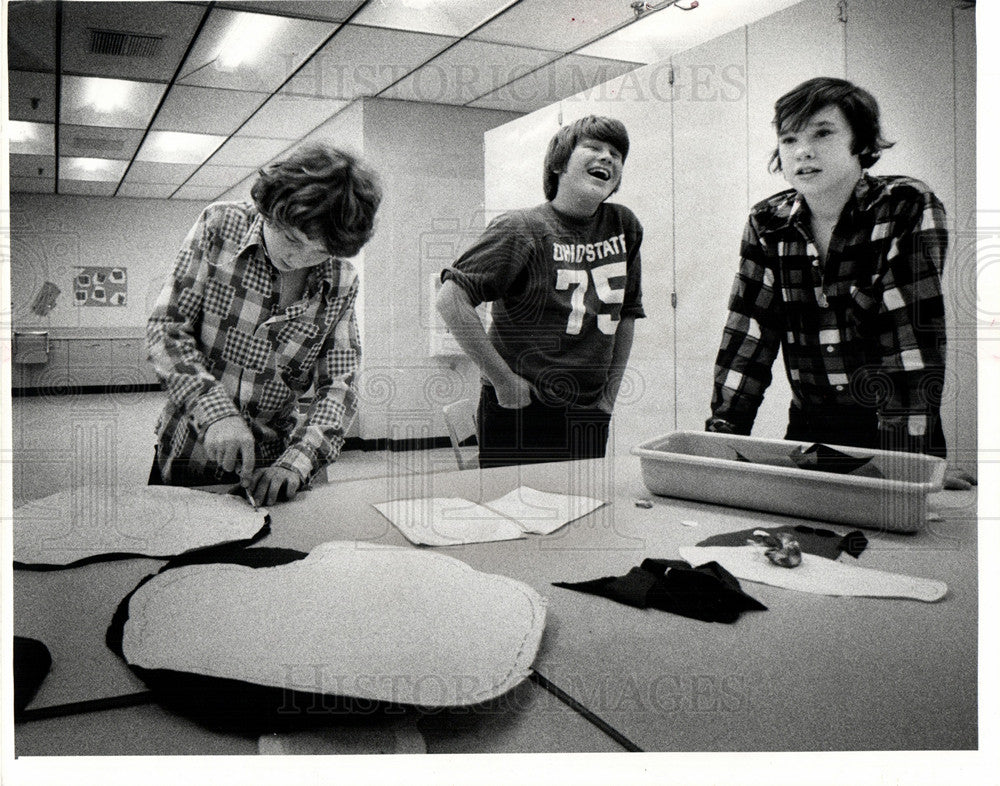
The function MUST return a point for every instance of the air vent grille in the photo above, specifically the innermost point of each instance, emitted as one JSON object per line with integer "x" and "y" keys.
{"x": 121, "y": 44}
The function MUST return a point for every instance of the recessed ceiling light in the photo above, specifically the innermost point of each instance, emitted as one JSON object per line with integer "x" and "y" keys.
{"x": 100, "y": 169}
{"x": 107, "y": 95}
{"x": 246, "y": 38}
{"x": 178, "y": 147}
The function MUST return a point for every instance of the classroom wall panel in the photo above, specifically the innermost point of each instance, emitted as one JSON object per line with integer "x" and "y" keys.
{"x": 908, "y": 57}
{"x": 710, "y": 188}
{"x": 783, "y": 50}
{"x": 430, "y": 159}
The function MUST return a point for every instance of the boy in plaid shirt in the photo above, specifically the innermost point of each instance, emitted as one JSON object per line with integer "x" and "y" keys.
{"x": 259, "y": 309}
{"x": 843, "y": 273}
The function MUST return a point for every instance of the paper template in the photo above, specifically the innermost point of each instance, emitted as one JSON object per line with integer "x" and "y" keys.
{"x": 816, "y": 574}
{"x": 451, "y": 521}
{"x": 86, "y": 522}
{"x": 386, "y": 623}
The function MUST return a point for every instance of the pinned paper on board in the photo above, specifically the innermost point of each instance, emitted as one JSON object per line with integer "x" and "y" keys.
{"x": 451, "y": 521}
{"x": 100, "y": 286}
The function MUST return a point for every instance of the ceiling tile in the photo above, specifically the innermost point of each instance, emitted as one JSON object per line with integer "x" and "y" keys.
{"x": 206, "y": 110}
{"x": 31, "y": 36}
{"x": 290, "y": 117}
{"x": 97, "y": 169}
{"x": 248, "y": 151}
{"x": 32, "y": 96}
{"x": 178, "y": 147}
{"x": 32, "y": 185}
{"x": 566, "y": 77}
{"x": 200, "y": 193}
{"x": 245, "y": 51}
{"x": 146, "y": 190}
{"x": 143, "y": 41}
{"x": 362, "y": 61}
{"x": 563, "y": 25}
{"x": 147, "y": 172}
{"x": 467, "y": 71}
{"x": 87, "y": 187}
{"x": 443, "y": 17}
{"x": 98, "y": 141}
{"x": 32, "y": 166}
{"x": 89, "y": 101}
{"x": 328, "y": 10}
{"x": 221, "y": 177}
{"x": 37, "y": 139}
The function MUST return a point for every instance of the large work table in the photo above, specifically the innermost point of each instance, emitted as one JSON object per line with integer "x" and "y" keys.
{"x": 811, "y": 673}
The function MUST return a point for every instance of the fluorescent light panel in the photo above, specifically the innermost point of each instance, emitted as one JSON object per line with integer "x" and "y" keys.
{"x": 98, "y": 169}
{"x": 31, "y": 138}
{"x": 178, "y": 147}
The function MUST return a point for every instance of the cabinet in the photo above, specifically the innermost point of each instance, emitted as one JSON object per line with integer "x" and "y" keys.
{"x": 90, "y": 361}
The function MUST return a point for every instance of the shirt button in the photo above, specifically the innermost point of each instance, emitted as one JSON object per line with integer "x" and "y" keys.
{"x": 815, "y": 263}
{"x": 840, "y": 387}
{"x": 829, "y": 348}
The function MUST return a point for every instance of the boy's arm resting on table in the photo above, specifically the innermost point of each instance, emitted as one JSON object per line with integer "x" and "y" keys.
{"x": 619, "y": 360}
{"x": 910, "y": 325}
{"x": 462, "y": 320}
{"x": 180, "y": 360}
{"x": 750, "y": 342}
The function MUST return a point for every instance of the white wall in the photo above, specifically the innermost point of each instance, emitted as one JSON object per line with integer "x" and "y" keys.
{"x": 51, "y": 235}
{"x": 430, "y": 158}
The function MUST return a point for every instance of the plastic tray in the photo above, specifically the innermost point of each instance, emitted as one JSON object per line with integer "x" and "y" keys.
{"x": 702, "y": 466}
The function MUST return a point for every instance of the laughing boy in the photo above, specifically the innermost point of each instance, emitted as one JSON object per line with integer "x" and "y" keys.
{"x": 564, "y": 281}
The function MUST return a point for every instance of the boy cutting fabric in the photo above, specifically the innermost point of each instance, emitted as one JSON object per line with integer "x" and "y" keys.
{"x": 259, "y": 309}
{"x": 564, "y": 281}
{"x": 843, "y": 273}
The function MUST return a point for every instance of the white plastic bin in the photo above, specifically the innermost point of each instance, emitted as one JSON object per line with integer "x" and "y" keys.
{"x": 702, "y": 466}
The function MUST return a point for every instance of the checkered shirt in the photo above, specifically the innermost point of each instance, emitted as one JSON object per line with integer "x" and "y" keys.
{"x": 222, "y": 347}
{"x": 866, "y": 327}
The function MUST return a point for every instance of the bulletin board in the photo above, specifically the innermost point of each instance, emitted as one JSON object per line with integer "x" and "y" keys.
{"x": 100, "y": 286}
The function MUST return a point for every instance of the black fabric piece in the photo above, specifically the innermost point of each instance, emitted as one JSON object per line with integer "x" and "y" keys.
{"x": 823, "y": 458}
{"x": 709, "y": 592}
{"x": 208, "y": 551}
{"x": 234, "y": 706}
{"x": 812, "y": 540}
{"x": 32, "y": 662}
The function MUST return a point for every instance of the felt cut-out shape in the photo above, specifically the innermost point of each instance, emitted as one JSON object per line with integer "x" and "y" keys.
{"x": 817, "y": 574}
{"x": 90, "y": 523}
{"x": 350, "y": 626}
{"x": 32, "y": 662}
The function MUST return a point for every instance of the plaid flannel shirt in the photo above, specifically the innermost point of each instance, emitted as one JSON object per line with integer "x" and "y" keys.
{"x": 866, "y": 327}
{"x": 222, "y": 347}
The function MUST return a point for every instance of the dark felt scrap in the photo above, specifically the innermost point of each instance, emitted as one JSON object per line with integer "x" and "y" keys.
{"x": 32, "y": 662}
{"x": 812, "y": 540}
{"x": 709, "y": 592}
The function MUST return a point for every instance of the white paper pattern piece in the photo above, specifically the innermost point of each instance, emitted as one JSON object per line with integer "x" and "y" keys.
{"x": 84, "y": 522}
{"x": 816, "y": 574}
{"x": 351, "y": 619}
{"x": 542, "y": 512}
{"x": 451, "y": 521}
{"x": 447, "y": 521}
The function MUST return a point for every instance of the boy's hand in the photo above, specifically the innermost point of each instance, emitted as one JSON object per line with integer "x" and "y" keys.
{"x": 513, "y": 392}
{"x": 959, "y": 480}
{"x": 274, "y": 484}
{"x": 229, "y": 443}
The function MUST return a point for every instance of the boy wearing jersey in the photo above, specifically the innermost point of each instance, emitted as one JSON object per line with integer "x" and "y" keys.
{"x": 564, "y": 282}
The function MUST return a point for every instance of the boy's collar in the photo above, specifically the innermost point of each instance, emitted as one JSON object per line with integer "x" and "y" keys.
{"x": 796, "y": 211}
